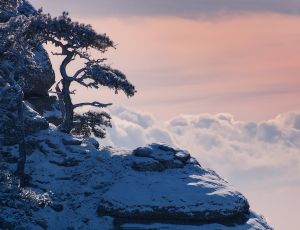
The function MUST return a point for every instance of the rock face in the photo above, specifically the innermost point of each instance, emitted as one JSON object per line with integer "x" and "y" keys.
{"x": 157, "y": 157}
{"x": 47, "y": 107}
{"x": 75, "y": 184}
{"x": 8, "y": 110}
{"x": 176, "y": 188}
{"x": 39, "y": 76}
{"x": 11, "y": 8}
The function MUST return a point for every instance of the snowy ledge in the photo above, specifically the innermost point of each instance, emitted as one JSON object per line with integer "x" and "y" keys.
{"x": 77, "y": 183}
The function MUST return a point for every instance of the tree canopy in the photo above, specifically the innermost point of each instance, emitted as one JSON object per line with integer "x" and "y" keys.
{"x": 75, "y": 40}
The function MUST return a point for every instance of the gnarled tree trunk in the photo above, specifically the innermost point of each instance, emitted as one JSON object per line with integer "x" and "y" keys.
{"x": 67, "y": 123}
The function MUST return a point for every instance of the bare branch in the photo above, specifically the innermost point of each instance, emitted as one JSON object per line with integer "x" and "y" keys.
{"x": 54, "y": 92}
{"x": 54, "y": 41}
{"x": 80, "y": 80}
{"x": 94, "y": 104}
{"x": 58, "y": 54}
{"x": 99, "y": 60}
{"x": 81, "y": 54}
{"x": 59, "y": 93}
{"x": 79, "y": 72}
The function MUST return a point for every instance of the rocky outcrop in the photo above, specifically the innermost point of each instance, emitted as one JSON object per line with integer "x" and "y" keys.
{"x": 157, "y": 157}
{"x": 39, "y": 75}
{"x": 178, "y": 189}
{"x": 47, "y": 107}
{"x": 12, "y": 8}
{"x": 77, "y": 184}
{"x": 8, "y": 119}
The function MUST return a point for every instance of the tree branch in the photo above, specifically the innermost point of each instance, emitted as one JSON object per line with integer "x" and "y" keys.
{"x": 94, "y": 104}
{"x": 54, "y": 41}
{"x": 58, "y": 54}
{"x": 79, "y": 72}
{"x": 59, "y": 93}
{"x": 81, "y": 79}
{"x": 82, "y": 55}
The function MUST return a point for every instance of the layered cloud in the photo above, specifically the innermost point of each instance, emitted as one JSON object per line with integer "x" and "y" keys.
{"x": 219, "y": 141}
{"x": 188, "y": 8}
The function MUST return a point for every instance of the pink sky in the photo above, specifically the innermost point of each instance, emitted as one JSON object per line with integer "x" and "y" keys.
{"x": 246, "y": 65}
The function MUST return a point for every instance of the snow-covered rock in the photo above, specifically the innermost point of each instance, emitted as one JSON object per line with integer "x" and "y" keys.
{"x": 47, "y": 107}
{"x": 75, "y": 185}
{"x": 172, "y": 190}
{"x": 11, "y": 8}
{"x": 39, "y": 75}
{"x": 159, "y": 157}
{"x": 8, "y": 119}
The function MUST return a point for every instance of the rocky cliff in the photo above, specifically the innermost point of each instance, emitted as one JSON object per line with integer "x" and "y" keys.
{"x": 77, "y": 184}
{"x": 8, "y": 119}
{"x": 39, "y": 74}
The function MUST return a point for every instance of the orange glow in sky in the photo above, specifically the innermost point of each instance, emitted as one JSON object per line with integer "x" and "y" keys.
{"x": 247, "y": 65}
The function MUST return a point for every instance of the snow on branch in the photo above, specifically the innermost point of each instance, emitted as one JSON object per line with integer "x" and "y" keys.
{"x": 63, "y": 32}
{"x": 102, "y": 75}
{"x": 94, "y": 104}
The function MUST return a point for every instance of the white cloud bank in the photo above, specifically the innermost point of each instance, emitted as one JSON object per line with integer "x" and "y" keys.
{"x": 261, "y": 158}
{"x": 216, "y": 140}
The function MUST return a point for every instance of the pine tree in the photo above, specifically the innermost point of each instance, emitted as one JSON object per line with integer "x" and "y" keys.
{"x": 75, "y": 41}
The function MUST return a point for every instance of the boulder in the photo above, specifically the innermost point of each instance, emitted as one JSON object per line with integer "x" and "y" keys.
{"x": 39, "y": 76}
{"x": 174, "y": 190}
{"x": 93, "y": 141}
{"x": 183, "y": 156}
{"x": 143, "y": 151}
{"x": 33, "y": 121}
{"x": 47, "y": 107}
{"x": 159, "y": 157}
{"x": 147, "y": 164}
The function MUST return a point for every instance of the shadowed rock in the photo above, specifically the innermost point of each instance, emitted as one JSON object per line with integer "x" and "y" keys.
{"x": 174, "y": 190}
{"x": 39, "y": 76}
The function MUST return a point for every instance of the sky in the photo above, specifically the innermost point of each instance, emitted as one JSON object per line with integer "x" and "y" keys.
{"x": 219, "y": 78}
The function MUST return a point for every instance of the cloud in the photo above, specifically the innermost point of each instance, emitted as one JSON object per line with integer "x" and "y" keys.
{"x": 179, "y": 8}
{"x": 218, "y": 141}
{"x": 133, "y": 129}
